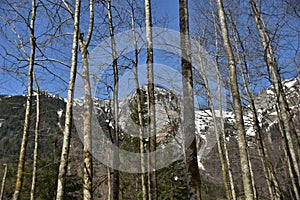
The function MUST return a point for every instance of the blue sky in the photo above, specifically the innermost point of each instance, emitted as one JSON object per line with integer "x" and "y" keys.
{"x": 12, "y": 83}
{"x": 16, "y": 83}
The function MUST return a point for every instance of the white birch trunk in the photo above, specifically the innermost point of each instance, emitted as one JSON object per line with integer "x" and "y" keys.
{"x": 284, "y": 112}
{"x": 139, "y": 108}
{"x": 3, "y": 182}
{"x": 116, "y": 181}
{"x": 152, "y": 188}
{"x": 225, "y": 161}
{"x": 36, "y": 140}
{"x": 242, "y": 145}
{"x": 88, "y": 105}
{"x": 268, "y": 168}
{"x": 63, "y": 167}
{"x": 20, "y": 172}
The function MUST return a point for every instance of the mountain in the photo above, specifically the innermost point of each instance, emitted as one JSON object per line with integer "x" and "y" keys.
{"x": 12, "y": 109}
{"x": 265, "y": 103}
{"x": 12, "y": 112}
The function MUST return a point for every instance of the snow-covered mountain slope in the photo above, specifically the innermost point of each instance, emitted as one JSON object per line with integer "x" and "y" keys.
{"x": 265, "y": 103}
{"x": 168, "y": 117}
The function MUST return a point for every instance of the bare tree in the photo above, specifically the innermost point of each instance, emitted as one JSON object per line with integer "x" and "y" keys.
{"x": 36, "y": 140}
{"x": 116, "y": 181}
{"x": 224, "y": 157}
{"x": 193, "y": 175}
{"x": 87, "y": 146}
{"x": 152, "y": 188}
{"x": 218, "y": 136}
{"x": 139, "y": 105}
{"x": 20, "y": 172}
{"x": 284, "y": 112}
{"x": 69, "y": 114}
{"x": 242, "y": 145}
{"x": 268, "y": 168}
{"x": 3, "y": 182}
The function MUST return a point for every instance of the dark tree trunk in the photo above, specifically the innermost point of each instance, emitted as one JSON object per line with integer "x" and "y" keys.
{"x": 193, "y": 175}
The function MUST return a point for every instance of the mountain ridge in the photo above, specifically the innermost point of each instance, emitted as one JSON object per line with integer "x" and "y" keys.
{"x": 12, "y": 109}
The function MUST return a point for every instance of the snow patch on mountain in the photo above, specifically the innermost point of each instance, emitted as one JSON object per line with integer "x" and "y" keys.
{"x": 250, "y": 131}
{"x": 1, "y": 122}
{"x": 290, "y": 83}
{"x": 59, "y": 113}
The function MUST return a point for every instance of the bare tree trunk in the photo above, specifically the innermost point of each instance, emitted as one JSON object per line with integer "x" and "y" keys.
{"x": 108, "y": 184}
{"x": 226, "y": 165}
{"x": 284, "y": 112}
{"x": 217, "y": 130}
{"x": 249, "y": 96}
{"x": 87, "y": 121}
{"x": 152, "y": 188}
{"x": 20, "y": 173}
{"x": 223, "y": 134}
{"x": 139, "y": 108}
{"x": 242, "y": 145}
{"x": 252, "y": 177}
{"x": 294, "y": 191}
{"x": 36, "y": 140}
{"x": 285, "y": 150}
{"x": 116, "y": 181}
{"x": 193, "y": 175}
{"x": 87, "y": 146}
{"x": 224, "y": 146}
{"x": 223, "y": 141}
{"x": 268, "y": 168}
{"x": 3, "y": 182}
{"x": 63, "y": 167}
